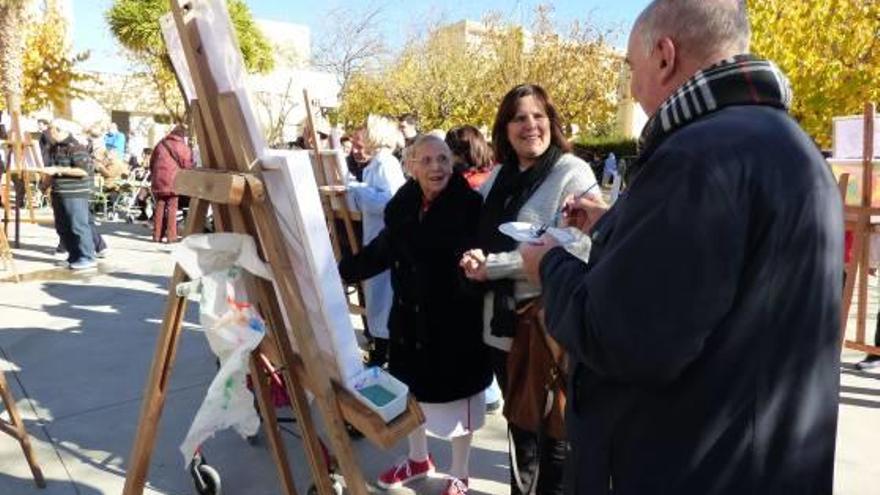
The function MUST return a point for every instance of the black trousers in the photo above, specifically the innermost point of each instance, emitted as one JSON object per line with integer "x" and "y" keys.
{"x": 547, "y": 462}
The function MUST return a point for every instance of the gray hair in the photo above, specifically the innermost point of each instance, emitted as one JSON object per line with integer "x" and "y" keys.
{"x": 701, "y": 29}
{"x": 425, "y": 139}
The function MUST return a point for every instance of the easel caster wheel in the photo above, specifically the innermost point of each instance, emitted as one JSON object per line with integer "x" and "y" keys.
{"x": 205, "y": 478}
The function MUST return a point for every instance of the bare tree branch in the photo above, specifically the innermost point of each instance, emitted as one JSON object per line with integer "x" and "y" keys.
{"x": 352, "y": 42}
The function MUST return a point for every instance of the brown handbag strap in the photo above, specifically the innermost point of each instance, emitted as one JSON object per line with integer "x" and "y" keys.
{"x": 555, "y": 382}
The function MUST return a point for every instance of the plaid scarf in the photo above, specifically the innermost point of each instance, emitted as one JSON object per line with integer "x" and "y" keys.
{"x": 741, "y": 80}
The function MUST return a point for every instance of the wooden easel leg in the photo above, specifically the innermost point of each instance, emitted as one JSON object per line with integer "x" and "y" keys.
{"x": 864, "y": 265}
{"x": 261, "y": 381}
{"x": 16, "y": 430}
{"x": 7, "y": 199}
{"x": 293, "y": 383}
{"x": 160, "y": 372}
{"x": 849, "y": 287}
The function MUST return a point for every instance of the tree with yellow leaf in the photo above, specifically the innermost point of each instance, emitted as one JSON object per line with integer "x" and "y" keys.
{"x": 458, "y": 74}
{"x": 830, "y": 50}
{"x": 50, "y": 76}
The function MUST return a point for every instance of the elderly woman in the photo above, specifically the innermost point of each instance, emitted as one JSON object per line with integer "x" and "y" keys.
{"x": 536, "y": 174}
{"x": 381, "y": 178}
{"x": 435, "y": 325}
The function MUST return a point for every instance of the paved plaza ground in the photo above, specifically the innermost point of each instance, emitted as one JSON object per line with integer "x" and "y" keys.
{"x": 79, "y": 349}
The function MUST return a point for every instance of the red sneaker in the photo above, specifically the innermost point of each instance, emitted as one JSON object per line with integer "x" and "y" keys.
{"x": 456, "y": 487}
{"x": 405, "y": 472}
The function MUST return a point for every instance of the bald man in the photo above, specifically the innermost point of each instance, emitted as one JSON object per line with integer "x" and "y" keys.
{"x": 704, "y": 332}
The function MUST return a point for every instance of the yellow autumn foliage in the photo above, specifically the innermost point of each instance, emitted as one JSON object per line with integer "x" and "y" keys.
{"x": 830, "y": 50}
{"x": 448, "y": 79}
{"x": 50, "y": 78}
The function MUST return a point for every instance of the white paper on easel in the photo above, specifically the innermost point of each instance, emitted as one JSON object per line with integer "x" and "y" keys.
{"x": 848, "y": 138}
{"x": 223, "y": 57}
{"x": 290, "y": 182}
{"x": 33, "y": 156}
{"x": 177, "y": 56}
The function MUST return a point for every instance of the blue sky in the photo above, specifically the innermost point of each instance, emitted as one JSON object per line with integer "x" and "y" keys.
{"x": 399, "y": 18}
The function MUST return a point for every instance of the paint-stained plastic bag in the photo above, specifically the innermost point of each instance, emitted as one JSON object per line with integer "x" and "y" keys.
{"x": 217, "y": 263}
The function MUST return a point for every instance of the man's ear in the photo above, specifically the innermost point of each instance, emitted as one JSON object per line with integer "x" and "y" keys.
{"x": 666, "y": 51}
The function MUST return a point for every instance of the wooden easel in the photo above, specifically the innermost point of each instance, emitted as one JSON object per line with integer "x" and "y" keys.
{"x": 334, "y": 196}
{"x": 859, "y": 220}
{"x": 15, "y": 428}
{"x": 17, "y": 148}
{"x": 233, "y": 186}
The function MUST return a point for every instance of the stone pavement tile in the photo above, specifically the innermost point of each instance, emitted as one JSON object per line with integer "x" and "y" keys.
{"x": 95, "y": 445}
{"x": 857, "y": 460}
{"x": 15, "y": 475}
{"x": 104, "y": 358}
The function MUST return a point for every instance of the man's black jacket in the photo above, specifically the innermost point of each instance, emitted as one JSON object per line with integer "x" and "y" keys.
{"x": 705, "y": 330}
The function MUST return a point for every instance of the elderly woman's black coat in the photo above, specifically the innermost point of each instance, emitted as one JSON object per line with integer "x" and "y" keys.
{"x": 435, "y": 325}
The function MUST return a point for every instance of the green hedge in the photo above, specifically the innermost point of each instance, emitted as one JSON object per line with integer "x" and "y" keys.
{"x": 622, "y": 147}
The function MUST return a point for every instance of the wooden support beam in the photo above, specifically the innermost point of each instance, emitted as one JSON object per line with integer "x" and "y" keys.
{"x": 861, "y": 346}
{"x": 863, "y": 233}
{"x": 218, "y": 187}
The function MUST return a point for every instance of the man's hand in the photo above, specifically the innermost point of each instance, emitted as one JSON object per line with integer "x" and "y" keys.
{"x": 583, "y": 213}
{"x": 473, "y": 263}
{"x": 532, "y": 254}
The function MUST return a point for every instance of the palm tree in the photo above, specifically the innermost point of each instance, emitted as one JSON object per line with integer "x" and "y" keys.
{"x": 12, "y": 46}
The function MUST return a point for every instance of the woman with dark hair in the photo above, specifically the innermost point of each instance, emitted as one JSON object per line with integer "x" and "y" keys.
{"x": 473, "y": 157}
{"x": 535, "y": 175}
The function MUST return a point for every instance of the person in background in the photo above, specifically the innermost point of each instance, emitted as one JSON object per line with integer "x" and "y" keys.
{"x": 609, "y": 171}
{"x": 409, "y": 127}
{"x": 114, "y": 141}
{"x": 71, "y": 189}
{"x": 381, "y": 178}
{"x": 435, "y": 323}
{"x": 136, "y": 144}
{"x": 111, "y": 169}
{"x": 357, "y": 159}
{"x": 704, "y": 334}
{"x": 535, "y": 174}
{"x": 345, "y": 143}
{"x": 409, "y": 131}
{"x": 473, "y": 157}
{"x": 45, "y": 139}
{"x": 104, "y": 167}
{"x": 170, "y": 155}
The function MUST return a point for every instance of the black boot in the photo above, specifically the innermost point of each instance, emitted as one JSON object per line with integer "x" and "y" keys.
{"x": 870, "y": 362}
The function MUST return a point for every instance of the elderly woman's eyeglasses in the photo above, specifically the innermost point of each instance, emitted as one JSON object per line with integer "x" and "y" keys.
{"x": 426, "y": 161}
